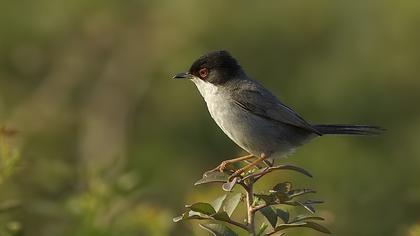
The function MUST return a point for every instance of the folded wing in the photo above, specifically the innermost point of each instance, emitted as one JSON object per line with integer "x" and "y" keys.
{"x": 254, "y": 98}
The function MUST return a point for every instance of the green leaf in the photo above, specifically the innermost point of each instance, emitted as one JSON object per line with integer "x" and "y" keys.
{"x": 308, "y": 224}
{"x": 305, "y": 217}
{"x": 223, "y": 216}
{"x": 231, "y": 203}
{"x": 211, "y": 177}
{"x": 218, "y": 229}
{"x": 281, "y": 191}
{"x": 317, "y": 227}
{"x": 310, "y": 202}
{"x": 188, "y": 216}
{"x": 217, "y": 203}
{"x": 280, "y": 194}
{"x": 287, "y": 226}
{"x": 284, "y": 187}
{"x": 270, "y": 199}
{"x": 202, "y": 207}
{"x": 281, "y": 197}
{"x": 281, "y": 234}
{"x": 191, "y": 215}
{"x": 283, "y": 215}
{"x": 295, "y": 168}
{"x": 228, "y": 186}
{"x": 178, "y": 218}
{"x": 298, "y": 192}
{"x": 288, "y": 167}
{"x": 262, "y": 228}
{"x": 270, "y": 215}
{"x": 307, "y": 204}
{"x": 309, "y": 208}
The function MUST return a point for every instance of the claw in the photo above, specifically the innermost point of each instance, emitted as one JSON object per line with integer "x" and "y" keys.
{"x": 222, "y": 166}
{"x": 247, "y": 168}
{"x": 219, "y": 168}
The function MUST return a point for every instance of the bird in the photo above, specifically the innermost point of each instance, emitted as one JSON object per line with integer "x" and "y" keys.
{"x": 251, "y": 116}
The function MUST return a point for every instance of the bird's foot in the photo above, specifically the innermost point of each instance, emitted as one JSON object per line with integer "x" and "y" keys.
{"x": 219, "y": 168}
{"x": 224, "y": 164}
{"x": 248, "y": 167}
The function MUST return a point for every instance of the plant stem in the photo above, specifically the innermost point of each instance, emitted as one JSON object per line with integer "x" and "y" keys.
{"x": 259, "y": 207}
{"x": 251, "y": 213}
{"x": 237, "y": 224}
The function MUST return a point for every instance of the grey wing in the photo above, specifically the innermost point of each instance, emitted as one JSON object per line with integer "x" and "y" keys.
{"x": 257, "y": 100}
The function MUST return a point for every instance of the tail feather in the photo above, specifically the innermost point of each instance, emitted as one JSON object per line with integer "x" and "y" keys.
{"x": 349, "y": 129}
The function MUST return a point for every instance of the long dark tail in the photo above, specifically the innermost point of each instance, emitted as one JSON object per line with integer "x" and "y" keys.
{"x": 349, "y": 129}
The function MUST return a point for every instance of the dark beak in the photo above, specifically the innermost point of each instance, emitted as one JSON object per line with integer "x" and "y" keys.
{"x": 183, "y": 75}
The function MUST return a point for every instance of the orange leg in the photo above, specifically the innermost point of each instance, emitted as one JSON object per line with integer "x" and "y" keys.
{"x": 248, "y": 167}
{"x": 222, "y": 165}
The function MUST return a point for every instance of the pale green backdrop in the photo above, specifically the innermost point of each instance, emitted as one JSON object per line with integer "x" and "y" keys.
{"x": 110, "y": 145}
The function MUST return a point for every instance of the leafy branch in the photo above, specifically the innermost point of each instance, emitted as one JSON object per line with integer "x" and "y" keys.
{"x": 269, "y": 204}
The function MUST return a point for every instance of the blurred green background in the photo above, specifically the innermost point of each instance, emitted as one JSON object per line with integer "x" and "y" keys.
{"x": 110, "y": 145}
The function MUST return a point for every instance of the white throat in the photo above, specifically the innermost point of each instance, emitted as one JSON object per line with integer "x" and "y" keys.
{"x": 206, "y": 89}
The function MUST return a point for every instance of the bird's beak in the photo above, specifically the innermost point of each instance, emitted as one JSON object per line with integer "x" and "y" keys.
{"x": 183, "y": 75}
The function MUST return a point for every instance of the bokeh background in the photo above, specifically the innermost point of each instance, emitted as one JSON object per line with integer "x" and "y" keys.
{"x": 110, "y": 145}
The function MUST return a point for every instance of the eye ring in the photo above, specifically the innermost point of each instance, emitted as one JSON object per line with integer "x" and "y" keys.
{"x": 203, "y": 72}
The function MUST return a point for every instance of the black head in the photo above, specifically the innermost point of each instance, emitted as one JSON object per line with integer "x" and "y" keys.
{"x": 215, "y": 67}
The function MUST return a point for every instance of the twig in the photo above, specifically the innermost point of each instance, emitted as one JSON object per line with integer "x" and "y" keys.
{"x": 259, "y": 207}
{"x": 243, "y": 226}
{"x": 258, "y": 175}
{"x": 249, "y": 201}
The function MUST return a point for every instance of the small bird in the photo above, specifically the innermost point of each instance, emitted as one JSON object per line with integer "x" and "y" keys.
{"x": 251, "y": 115}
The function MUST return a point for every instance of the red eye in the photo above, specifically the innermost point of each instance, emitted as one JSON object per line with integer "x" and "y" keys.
{"x": 203, "y": 72}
